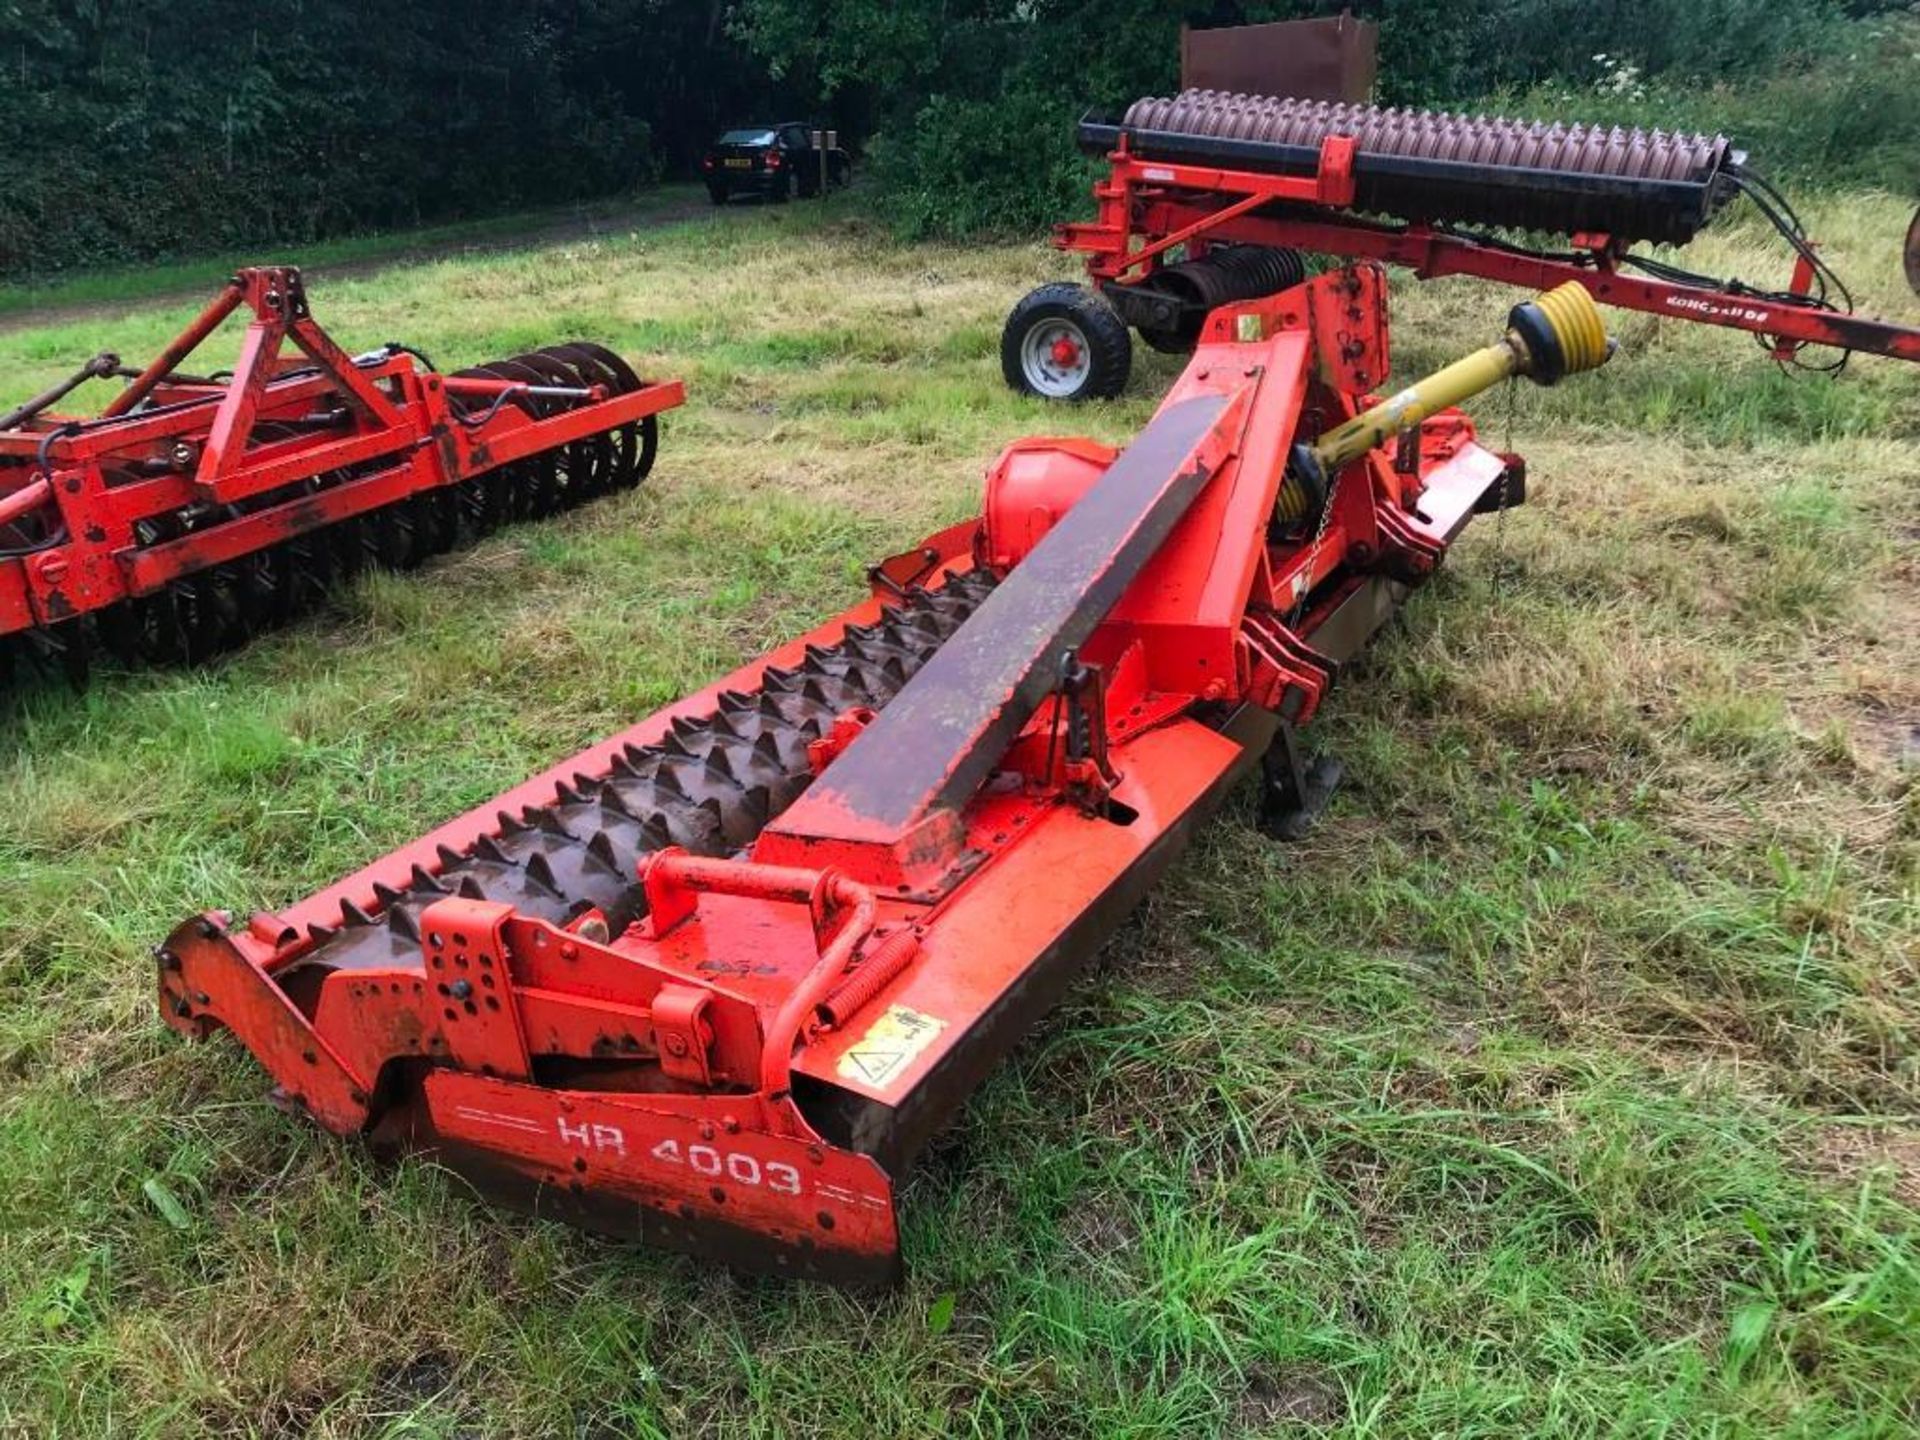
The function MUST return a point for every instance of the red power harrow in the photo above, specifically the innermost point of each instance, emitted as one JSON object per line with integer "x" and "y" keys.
{"x": 1211, "y": 198}
{"x": 196, "y": 510}
{"x": 715, "y": 981}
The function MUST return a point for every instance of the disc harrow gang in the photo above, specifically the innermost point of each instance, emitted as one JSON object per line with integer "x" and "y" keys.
{"x": 195, "y": 513}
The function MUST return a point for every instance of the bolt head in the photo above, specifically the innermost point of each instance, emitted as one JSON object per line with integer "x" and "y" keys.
{"x": 460, "y": 989}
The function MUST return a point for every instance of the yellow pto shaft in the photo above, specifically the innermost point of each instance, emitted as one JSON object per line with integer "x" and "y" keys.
{"x": 1561, "y": 333}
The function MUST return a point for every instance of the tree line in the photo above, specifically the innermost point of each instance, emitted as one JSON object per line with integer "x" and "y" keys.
{"x": 132, "y": 129}
{"x": 138, "y": 128}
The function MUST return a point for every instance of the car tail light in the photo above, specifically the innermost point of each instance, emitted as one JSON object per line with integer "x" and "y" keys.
{"x": 773, "y": 159}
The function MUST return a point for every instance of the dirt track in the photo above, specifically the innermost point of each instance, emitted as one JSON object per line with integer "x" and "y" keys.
{"x": 667, "y": 207}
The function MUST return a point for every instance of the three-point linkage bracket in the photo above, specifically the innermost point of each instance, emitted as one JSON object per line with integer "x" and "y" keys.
{"x": 1294, "y": 790}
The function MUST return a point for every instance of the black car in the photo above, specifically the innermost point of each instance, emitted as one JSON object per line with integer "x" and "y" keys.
{"x": 773, "y": 160}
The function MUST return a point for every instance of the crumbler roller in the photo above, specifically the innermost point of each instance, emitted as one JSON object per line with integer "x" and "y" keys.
{"x": 715, "y": 981}
{"x": 1633, "y": 184}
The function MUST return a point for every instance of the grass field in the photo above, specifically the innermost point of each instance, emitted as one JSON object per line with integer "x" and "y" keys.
{"x": 91, "y": 290}
{"x": 1565, "y": 1083}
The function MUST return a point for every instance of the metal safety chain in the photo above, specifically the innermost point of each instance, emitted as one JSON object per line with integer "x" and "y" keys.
{"x": 1500, "y": 506}
{"x": 1313, "y": 546}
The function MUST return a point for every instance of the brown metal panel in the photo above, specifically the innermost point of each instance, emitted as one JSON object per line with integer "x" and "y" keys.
{"x": 1328, "y": 59}
{"x": 938, "y": 739}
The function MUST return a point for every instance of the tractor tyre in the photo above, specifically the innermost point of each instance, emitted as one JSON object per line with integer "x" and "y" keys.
{"x": 1913, "y": 253}
{"x": 1064, "y": 342}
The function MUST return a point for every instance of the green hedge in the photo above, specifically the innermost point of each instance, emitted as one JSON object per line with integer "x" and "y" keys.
{"x": 1849, "y": 117}
{"x": 142, "y": 129}
{"x": 135, "y": 129}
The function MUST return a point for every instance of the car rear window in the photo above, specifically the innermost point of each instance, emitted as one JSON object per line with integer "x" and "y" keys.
{"x": 747, "y": 137}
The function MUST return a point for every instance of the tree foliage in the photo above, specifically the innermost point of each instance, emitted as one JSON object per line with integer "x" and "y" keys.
{"x": 974, "y": 100}
{"x": 136, "y": 128}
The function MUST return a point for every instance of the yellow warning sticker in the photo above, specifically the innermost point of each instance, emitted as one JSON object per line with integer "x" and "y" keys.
{"x": 889, "y": 1046}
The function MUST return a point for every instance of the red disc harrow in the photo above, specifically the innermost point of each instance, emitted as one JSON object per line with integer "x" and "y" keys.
{"x": 194, "y": 510}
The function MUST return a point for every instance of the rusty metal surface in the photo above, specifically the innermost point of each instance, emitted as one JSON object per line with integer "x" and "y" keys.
{"x": 934, "y": 745}
{"x": 1437, "y": 135}
{"x": 1431, "y": 166}
{"x": 1331, "y": 58}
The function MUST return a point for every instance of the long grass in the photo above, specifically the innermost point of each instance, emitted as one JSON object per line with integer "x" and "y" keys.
{"x": 1564, "y": 1083}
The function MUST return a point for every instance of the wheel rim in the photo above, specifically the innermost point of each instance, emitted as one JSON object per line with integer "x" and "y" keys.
{"x": 1055, "y": 357}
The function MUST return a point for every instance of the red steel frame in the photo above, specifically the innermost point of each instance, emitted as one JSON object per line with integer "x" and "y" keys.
{"x": 165, "y": 444}
{"x": 1147, "y": 207}
{"x": 892, "y": 933}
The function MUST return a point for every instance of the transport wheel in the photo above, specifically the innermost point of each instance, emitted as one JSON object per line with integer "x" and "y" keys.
{"x": 717, "y": 194}
{"x": 1913, "y": 253}
{"x": 783, "y": 190}
{"x": 1063, "y": 342}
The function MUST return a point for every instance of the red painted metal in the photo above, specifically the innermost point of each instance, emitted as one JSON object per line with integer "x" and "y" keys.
{"x": 1149, "y": 207}
{"x": 348, "y": 435}
{"x": 25, "y": 500}
{"x": 745, "y": 1070}
{"x": 181, "y": 346}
